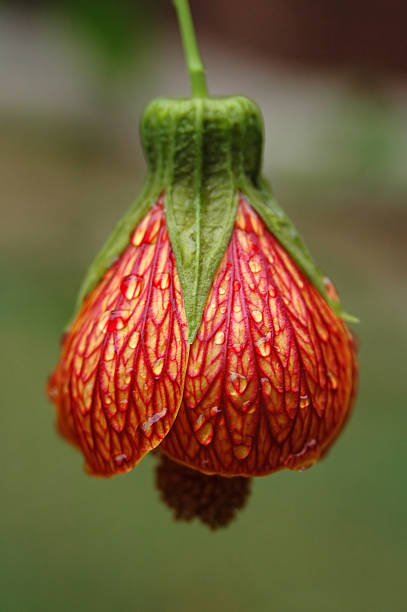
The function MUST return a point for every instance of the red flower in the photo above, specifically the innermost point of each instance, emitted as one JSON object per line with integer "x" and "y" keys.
{"x": 267, "y": 383}
{"x": 212, "y": 335}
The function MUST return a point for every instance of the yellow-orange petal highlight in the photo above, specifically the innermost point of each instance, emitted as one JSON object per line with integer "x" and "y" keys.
{"x": 272, "y": 372}
{"x": 119, "y": 382}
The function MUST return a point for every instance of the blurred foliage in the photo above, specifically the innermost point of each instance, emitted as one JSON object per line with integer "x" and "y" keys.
{"x": 116, "y": 30}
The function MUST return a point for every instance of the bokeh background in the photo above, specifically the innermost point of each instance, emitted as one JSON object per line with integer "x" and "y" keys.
{"x": 331, "y": 78}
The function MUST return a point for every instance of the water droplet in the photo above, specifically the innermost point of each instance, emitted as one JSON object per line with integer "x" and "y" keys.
{"x": 223, "y": 309}
{"x": 257, "y": 315}
{"x": 304, "y": 467}
{"x": 272, "y": 291}
{"x": 236, "y": 376}
{"x": 120, "y": 458}
{"x": 239, "y": 381}
{"x": 214, "y": 410}
{"x": 118, "y": 319}
{"x": 154, "y": 418}
{"x": 248, "y": 407}
{"x": 221, "y": 290}
{"x": 205, "y": 434}
{"x": 131, "y": 286}
{"x": 241, "y": 451}
{"x": 162, "y": 281}
{"x": 107, "y": 399}
{"x": 123, "y": 404}
{"x": 219, "y": 337}
{"x": 304, "y": 401}
{"x": 262, "y": 346}
{"x": 236, "y": 348}
{"x": 266, "y": 386}
{"x": 237, "y": 308}
{"x": 254, "y": 265}
{"x": 236, "y": 286}
{"x": 332, "y": 380}
{"x": 134, "y": 339}
{"x": 158, "y": 366}
{"x": 199, "y": 422}
{"x": 295, "y": 456}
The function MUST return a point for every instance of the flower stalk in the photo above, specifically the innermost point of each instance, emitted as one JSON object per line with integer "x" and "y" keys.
{"x": 193, "y": 58}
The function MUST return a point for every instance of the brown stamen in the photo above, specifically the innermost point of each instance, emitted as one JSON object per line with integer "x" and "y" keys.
{"x": 191, "y": 494}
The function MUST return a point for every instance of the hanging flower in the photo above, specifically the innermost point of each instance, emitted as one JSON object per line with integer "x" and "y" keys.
{"x": 204, "y": 328}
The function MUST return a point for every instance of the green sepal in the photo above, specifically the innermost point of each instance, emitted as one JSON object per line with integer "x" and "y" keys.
{"x": 208, "y": 146}
{"x": 279, "y": 224}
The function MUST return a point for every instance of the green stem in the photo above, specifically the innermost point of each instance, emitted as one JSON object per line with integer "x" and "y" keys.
{"x": 194, "y": 63}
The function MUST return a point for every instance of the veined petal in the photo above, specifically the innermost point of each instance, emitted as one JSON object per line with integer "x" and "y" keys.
{"x": 119, "y": 383}
{"x": 271, "y": 373}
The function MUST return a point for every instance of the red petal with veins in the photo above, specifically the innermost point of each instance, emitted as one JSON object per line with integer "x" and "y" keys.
{"x": 119, "y": 383}
{"x": 272, "y": 372}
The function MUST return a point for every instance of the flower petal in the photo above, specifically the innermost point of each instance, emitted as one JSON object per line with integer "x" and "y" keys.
{"x": 119, "y": 383}
{"x": 271, "y": 372}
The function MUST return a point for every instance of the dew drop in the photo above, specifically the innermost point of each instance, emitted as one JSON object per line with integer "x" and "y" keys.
{"x": 332, "y": 379}
{"x": 154, "y": 418}
{"x": 134, "y": 339}
{"x": 205, "y": 434}
{"x": 248, "y": 407}
{"x": 120, "y": 458}
{"x": 236, "y": 348}
{"x": 118, "y": 319}
{"x": 158, "y": 366}
{"x": 257, "y": 315}
{"x": 220, "y": 337}
{"x": 304, "y": 401}
{"x": 304, "y": 467}
{"x": 131, "y": 286}
{"x": 262, "y": 346}
{"x": 241, "y": 451}
{"x": 214, "y": 410}
{"x": 223, "y": 309}
{"x": 221, "y": 290}
{"x": 239, "y": 381}
{"x": 254, "y": 265}
{"x": 162, "y": 281}
{"x": 266, "y": 386}
{"x": 237, "y": 308}
{"x": 199, "y": 422}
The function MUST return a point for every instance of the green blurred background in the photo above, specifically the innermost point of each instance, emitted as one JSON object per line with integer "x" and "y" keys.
{"x": 74, "y": 77}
